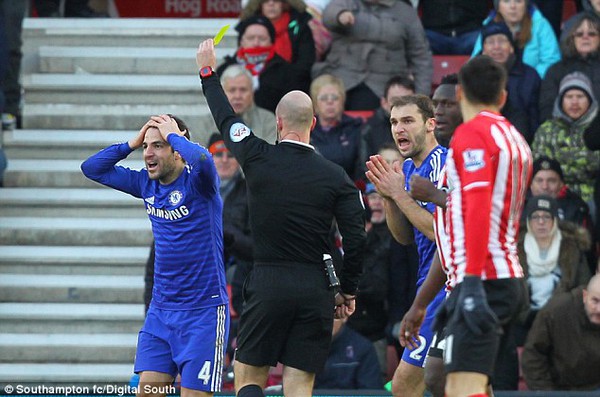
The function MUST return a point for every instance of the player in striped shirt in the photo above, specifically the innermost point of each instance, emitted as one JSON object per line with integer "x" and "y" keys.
{"x": 489, "y": 167}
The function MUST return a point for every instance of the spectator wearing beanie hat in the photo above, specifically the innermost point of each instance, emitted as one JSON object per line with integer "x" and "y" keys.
{"x": 552, "y": 253}
{"x": 272, "y": 76}
{"x": 548, "y": 180}
{"x": 535, "y": 42}
{"x": 562, "y": 137}
{"x": 523, "y": 84}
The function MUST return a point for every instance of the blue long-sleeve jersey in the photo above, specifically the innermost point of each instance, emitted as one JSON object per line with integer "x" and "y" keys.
{"x": 431, "y": 169}
{"x": 186, "y": 217}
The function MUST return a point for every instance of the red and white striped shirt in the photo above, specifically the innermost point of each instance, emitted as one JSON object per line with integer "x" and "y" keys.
{"x": 489, "y": 166}
{"x": 442, "y": 240}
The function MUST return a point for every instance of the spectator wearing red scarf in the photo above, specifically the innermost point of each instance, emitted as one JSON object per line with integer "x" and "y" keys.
{"x": 293, "y": 36}
{"x": 272, "y": 75}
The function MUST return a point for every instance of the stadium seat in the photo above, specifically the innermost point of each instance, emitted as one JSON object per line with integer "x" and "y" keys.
{"x": 569, "y": 9}
{"x": 446, "y": 64}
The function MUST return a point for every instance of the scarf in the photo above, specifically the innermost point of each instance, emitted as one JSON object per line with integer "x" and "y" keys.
{"x": 283, "y": 44}
{"x": 255, "y": 59}
{"x": 535, "y": 264}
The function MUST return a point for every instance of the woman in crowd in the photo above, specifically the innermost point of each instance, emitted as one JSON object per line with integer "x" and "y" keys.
{"x": 535, "y": 42}
{"x": 579, "y": 53}
{"x": 552, "y": 254}
{"x": 293, "y": 36}
{"x": 336, "y": 136}
{"x": 373, "y": 40}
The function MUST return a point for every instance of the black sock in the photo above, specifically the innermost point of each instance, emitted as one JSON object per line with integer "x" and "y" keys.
{"x": 250, "y": 391}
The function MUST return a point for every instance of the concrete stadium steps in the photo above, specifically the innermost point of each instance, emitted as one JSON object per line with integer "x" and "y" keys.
{"x": 68, "y": 348}
{"x": 69, "y": 374}
{"x": 65, "y": 260}
{"x": 46, "y": 173}
{"x": 63, "y": 202}
{"x": 114, "y": 89}
{"x": 126, "y": 60}
{"x": 107, "y": 116}
{"x": 156, "y": 33}
{"x": 75, "y": 231}
{"x": 71, "y": 288}
{"x": 61, "y": 144}
{"x": 70, "y": 318}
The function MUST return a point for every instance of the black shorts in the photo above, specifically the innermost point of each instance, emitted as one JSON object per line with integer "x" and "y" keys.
{"x": 467, "y": 352}
{"x": 287, "y": 317}
{"x": 438, "y": 344}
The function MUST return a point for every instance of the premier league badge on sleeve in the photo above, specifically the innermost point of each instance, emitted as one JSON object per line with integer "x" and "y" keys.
{"x": 473, "y": 159}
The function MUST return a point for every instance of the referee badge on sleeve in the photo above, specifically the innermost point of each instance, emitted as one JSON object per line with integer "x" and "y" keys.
{"x": 238, "y": 132}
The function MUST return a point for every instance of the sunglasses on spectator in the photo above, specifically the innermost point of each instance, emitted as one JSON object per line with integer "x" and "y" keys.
{"x": 591, "y": 33}
{"x": 328, "y": 97}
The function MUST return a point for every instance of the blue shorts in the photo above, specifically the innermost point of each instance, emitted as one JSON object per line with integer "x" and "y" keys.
{"x": 417, "y": 356}
{"x": 189, "y": 342}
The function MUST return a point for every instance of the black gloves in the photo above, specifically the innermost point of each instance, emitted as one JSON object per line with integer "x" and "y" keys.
{"x": 472, "y": 305}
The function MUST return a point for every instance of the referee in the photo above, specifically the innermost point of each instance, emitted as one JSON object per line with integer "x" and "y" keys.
{"x": 294, "y": 195}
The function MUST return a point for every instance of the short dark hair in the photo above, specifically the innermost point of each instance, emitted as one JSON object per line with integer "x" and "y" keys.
{"x": 399, "y": 79}
{"x": 482, "y": 80}
{"x": 424, "y": 104}
{"x": 451, "y": 79}
{"x": 181, "y": 125}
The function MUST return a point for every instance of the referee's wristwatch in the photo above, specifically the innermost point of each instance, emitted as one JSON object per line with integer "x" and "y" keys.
{"x": 206, "y": 71}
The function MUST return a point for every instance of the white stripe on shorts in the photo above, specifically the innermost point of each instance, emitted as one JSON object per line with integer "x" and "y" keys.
{"x": 217, "y": 370}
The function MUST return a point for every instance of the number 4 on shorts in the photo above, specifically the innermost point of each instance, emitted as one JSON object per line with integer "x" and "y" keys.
{"x": 204, "y": 374}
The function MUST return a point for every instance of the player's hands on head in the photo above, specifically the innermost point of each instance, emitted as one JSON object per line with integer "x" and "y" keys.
{"x": 138, "y": 141}
{"x": 166, "y": 125}
{"x": 205, "y": 55}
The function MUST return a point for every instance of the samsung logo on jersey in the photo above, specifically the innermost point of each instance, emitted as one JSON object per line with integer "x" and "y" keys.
{"x": 170, "y": 215}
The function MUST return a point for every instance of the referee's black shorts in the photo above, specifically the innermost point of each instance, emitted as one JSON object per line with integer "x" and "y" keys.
{"x": 467, "y": 352}
{"x": 287, "y": 317}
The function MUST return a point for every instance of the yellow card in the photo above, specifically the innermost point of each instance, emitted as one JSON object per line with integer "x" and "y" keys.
{"x": 220, "y": 35}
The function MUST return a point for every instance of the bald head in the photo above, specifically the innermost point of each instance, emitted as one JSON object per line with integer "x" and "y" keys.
{"x": 295, "y": 113}
{"x": 591, "y": 299}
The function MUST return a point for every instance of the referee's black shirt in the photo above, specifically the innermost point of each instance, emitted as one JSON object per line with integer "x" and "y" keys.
{"x": 293, "y": 196}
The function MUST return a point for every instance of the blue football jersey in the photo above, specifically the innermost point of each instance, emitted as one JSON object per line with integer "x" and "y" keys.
{"x": 431, "y": 169}
{"x": 186, "y": 217}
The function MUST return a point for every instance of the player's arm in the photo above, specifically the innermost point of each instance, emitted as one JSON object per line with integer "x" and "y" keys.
{"x": 234, "y": 131}
{"x": 474, "y": 167}
{"x": 101, "y": 167}
{"x": 398, "y": 224}
{"x": 411, "y": 323}
{"x": 423, "y": 189}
